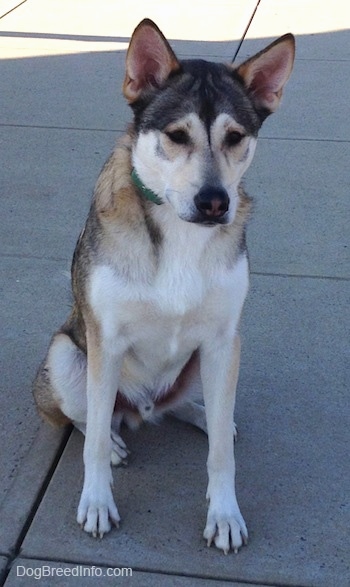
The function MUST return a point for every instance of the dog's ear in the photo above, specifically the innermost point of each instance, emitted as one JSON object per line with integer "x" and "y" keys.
{"x": 149, "y": 60}
{"x": 265, "y": 74}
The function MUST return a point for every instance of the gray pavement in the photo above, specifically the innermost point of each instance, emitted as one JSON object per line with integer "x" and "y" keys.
{"x": 61, "y": 111}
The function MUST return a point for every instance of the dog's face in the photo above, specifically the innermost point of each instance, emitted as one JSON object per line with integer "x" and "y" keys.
{"x": 196, "y": 122}
{"x": 193, "y": 144}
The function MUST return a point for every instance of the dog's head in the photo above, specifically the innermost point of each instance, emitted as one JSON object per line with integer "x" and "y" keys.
{"x": 196, "y": 122}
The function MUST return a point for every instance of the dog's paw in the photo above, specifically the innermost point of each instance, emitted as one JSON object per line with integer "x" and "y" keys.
{"x": 119, "y": 453}
{"x": 226, "y": 527}
{"x": 97, "y": 512}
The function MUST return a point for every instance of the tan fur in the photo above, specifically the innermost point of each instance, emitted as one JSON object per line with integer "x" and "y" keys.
{"x": 118, "y": 204}
{"x": 160, "y": 272}
{"x": 47, "y": 403}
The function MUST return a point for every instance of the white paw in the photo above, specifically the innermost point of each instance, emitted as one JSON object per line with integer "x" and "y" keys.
{"x": 226, "y": 527}
{"x": 97, "y": 511}
{"x": 119, "y": 453}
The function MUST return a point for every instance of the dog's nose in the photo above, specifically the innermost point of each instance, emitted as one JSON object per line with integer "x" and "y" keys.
{"x": 212, "y": 202}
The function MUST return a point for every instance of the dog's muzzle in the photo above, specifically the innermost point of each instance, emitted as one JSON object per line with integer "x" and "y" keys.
{"x": 212, "y": 204}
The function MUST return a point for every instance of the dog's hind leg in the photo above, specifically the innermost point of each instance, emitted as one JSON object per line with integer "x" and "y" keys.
{"x": 66, "y": 367}
{"x": 119, "y": 450}
{"x": 60, "y": 390}
{"x": 47, "y": 389}
{"x": 193, "y": 413}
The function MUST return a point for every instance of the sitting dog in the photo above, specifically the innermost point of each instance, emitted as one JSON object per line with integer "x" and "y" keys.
{"x": 160, "y": 271}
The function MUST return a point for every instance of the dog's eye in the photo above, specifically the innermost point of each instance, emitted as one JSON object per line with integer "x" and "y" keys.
{"x": 180, "y": 137}
{"x": 233, "y": 138}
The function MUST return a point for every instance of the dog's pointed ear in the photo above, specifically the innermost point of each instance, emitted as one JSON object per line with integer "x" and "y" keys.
{"x": 149, "y": 60}
{"x": 265, "y": 74}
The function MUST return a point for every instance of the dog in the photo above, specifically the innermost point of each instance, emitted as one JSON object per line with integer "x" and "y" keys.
{"x": 160, "y": 272}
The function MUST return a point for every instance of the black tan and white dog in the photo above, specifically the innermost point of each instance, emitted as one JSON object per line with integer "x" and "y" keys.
{"x": 160, "y": 271}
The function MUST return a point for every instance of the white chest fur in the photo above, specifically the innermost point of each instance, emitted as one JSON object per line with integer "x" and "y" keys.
{"x": 180, "y": 283}
{"x": 158, "y": 323}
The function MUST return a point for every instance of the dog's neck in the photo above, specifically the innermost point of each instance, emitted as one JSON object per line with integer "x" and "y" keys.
{"x": 146, "y": 192}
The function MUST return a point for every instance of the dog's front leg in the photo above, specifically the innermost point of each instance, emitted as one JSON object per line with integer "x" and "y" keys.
{"x": 97, "y": 509}
{"x": 219, "y": 372}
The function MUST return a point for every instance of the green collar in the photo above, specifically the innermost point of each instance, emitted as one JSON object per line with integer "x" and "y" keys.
{"x": 147, "y": 193}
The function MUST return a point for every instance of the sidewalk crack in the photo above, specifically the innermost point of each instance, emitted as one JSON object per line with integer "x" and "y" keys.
{"x": 16, "y": 551}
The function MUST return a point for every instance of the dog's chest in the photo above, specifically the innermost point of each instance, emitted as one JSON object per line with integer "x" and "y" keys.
{"x": 179, "y": 286}
{"x": 161, "y": 319}
{"x": 171, "y": 302}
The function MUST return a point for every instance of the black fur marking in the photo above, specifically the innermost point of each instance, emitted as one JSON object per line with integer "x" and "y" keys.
{"x": 245, "y": 155}
{"x": 153, "y": 229}
{"x": 160, "y": 151}
{"x": 242, "y": 247}
{"x": 206, "y": 88}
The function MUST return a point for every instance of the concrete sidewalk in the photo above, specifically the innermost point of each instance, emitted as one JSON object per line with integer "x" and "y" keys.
{"x": 61, "y": 110}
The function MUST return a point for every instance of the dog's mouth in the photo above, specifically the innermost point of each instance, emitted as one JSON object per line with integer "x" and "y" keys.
{"x": 205, "y": 221}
